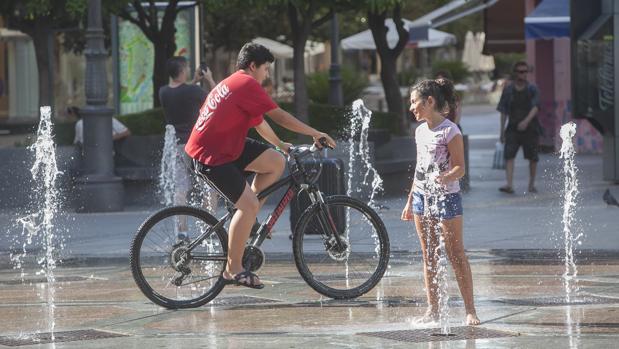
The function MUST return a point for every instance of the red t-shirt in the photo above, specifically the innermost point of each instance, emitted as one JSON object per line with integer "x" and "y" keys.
{"x": 233, "y": 107}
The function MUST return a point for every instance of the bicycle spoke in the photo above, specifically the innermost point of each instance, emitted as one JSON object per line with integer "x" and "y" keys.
{"x": 351, "y": 266}
{"x": 161, "y": 258}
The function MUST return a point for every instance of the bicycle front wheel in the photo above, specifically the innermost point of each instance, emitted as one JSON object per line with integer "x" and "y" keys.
{"x": 346, "y": 266}
{"x": 166, "y": 271}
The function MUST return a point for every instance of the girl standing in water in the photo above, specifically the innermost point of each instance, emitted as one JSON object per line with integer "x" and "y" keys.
{"x": 435, "y": 202}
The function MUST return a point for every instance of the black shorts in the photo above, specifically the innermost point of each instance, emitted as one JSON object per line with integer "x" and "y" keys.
{"x": 229, "y": 179}
{"x": 528, "y": 139}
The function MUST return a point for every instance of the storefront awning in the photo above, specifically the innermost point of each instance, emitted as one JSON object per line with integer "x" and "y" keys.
{"x": 549, "y": 20}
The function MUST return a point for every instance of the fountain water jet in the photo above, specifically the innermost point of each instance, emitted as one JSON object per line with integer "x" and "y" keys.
{"x": 38, "y": 227}
{"x": 571, "y": 192}
{"x": 168, "y": 168}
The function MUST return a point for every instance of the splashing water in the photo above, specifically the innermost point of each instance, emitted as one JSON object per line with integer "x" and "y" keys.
{"x": 433, "y": 195}
{"x": 360, "y": 123}
{"x": 168, "y": 169}
{"x": 171, "y": 191}
{"x": 38, "y": 227}
{"x": 570, "y": 187}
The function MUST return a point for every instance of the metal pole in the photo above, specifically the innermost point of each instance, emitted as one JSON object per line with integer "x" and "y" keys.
{"x": 99, "y": 189}
{"x": 335, "y": 80}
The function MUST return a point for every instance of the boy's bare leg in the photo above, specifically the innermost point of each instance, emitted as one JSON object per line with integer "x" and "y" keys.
{"x": 240, "y": 226}
{"x": 269, "y": 167}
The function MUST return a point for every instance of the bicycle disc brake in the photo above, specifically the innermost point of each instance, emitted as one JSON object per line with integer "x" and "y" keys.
{"x": 253, "y": 258}
{"x": 337, "y": 253}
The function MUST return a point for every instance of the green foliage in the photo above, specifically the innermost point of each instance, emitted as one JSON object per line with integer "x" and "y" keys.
{"x": 504, "y": 63}
{"x": 64, "y": 133}
{"x": 147, "y": 122}
{"x": 458, "y": 70}
{"x": 408, "y": 77}
{"x": 334, "y": 120}
{"x": 353, "y": 83}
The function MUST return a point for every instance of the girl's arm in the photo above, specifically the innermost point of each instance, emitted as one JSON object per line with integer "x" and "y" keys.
{"x": 456, "y": 160}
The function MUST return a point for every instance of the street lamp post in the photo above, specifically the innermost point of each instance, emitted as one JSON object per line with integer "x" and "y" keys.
{"x": 335, "y": 79}
{"x": 99, "y": 189}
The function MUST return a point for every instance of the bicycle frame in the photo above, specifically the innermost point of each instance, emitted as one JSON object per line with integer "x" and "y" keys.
{"x": 294, "y": 187}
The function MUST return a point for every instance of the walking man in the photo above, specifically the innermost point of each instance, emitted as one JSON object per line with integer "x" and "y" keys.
{"x": 518, "y": 106}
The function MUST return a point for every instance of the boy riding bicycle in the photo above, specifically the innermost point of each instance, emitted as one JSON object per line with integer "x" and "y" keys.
{"x": 222, "y": 154}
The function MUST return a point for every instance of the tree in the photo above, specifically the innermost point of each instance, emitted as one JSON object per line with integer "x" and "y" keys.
{"x": 377, "y": 14}
{"x": 160, "y": 31}
{"x": 228, "y": 27}
{"x": 303, "y": 17}
{"x": 40, "y": 19}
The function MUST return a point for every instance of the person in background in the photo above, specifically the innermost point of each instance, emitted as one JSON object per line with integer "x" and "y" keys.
{"x": 119, "y": 131}
{"x": 181, "y": 102}
{"x": 518, "y": 106}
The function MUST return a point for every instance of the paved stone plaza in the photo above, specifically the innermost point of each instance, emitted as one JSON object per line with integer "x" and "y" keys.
{"x": 513, "y": 244}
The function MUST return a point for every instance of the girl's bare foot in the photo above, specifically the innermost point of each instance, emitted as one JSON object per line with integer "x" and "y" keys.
{"x": 431, "y": 315}
{"x": 472, "y": 319}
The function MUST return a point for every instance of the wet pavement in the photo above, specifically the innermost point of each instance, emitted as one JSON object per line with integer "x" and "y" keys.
{"x": 519, "y": 300}
{"x": 513, "y": 243}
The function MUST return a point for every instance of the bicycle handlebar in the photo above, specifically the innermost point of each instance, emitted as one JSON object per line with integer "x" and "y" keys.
{"x": 303, "y": 150}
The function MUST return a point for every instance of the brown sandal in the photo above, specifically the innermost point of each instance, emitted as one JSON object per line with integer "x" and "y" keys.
{"x": 246, "y": 279}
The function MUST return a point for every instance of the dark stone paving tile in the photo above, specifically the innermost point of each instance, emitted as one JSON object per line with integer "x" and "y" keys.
{"x": 435, "y": 334}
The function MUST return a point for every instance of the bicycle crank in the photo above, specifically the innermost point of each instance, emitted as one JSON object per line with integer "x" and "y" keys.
{"x": 253, "y": 258}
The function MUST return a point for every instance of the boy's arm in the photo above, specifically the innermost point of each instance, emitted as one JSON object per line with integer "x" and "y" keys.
{"x": 288, "y": 121}
{"x": 265, "y": 131}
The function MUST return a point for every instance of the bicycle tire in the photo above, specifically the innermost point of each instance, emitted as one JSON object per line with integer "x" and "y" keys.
{"x": 382, "y": 244}
{"x": 136, "y": 253}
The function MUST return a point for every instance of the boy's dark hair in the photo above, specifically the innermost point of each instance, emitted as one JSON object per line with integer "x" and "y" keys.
{"x": 252, "y": 52}
{"x": 175, "y": 66}
{"x": 443, "y": 92}
{"x": 520, "y": 64}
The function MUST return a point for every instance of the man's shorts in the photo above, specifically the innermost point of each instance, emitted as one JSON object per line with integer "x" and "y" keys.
{"x": 449, "y": 206}
{"x": 529, "y": 140}
{"x": 230, "y": 179}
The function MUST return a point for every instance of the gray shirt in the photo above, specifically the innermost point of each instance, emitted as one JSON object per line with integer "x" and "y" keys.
{"x": 181, "y": 106}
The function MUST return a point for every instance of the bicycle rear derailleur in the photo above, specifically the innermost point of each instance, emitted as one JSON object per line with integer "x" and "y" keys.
{"x": 253, "y": 258}
{"x": 179, "y": 260}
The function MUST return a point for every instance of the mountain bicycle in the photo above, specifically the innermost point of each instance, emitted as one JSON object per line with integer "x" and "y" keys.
{"x": 340, "y": 244}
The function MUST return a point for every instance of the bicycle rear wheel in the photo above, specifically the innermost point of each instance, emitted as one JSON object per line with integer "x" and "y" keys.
{"x": 341, "y": 271}
{"x": 166, "y": 271}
